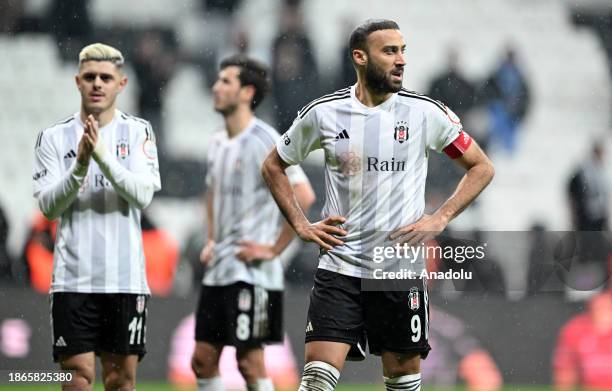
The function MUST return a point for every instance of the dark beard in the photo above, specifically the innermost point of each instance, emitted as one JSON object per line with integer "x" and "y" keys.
{"x": 378, "y": 81}
{"x": 226, "y": 111}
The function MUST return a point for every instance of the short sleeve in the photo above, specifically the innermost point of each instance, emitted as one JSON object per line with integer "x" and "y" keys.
{"x": 443, "y": 127}
{"x": 46, "y": 168}
{"x": 145, "y": 161}
{"x": 302, "y": 138}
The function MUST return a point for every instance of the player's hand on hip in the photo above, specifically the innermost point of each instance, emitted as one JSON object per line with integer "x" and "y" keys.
{"x": 325, "y": 233}
{"x": 421, "y": 231}
{"x": 250, "y": 251}
{"x": 206, "y": 254}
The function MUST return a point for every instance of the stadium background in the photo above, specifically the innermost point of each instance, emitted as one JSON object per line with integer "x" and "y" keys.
{"x": 563, "y": 48}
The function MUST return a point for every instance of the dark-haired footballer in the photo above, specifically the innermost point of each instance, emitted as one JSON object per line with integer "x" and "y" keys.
{"x": 241, "y": 297}
{"x": 376, "y": 137}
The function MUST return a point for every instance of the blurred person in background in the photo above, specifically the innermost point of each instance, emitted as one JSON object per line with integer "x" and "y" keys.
{"x": 218, "y": 22}
{"x": 543, "y": 264}
{"x": 376, "y": 137}
{"x": 294, "y": 69}
{"x": 583, "y": 356}
{"x": 161, "y": 254}
{"x": 588, "y": 195}
{"x": 242, "y": 290}
{"x": 11, "y": 12}
{"x": 458, "y": 93}
{"x": 452, "y": 87}
{"x": 38, "y": 252}
{"x": 154, "y": 64}
{"x": 6, "y": 261}
{"x": 95, "y": 171}
{"x": 345, "y": 75}
{"x": 507, "y": 95}
{"x": 70, "y": 23}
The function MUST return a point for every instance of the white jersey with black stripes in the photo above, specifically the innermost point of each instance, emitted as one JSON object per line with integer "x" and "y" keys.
{"x": 243, "y": 208}
{"x": 98, "y": 247}
{"x": 375, "y": 166}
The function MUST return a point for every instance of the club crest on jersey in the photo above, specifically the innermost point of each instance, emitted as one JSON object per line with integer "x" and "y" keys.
{"x": 123, "y": 148}
{"x": 150, "y": 149}
{"x": 244, "y": 300}
{"x": 413, "y": 299}
{"x": 140, "y": 304}
{"x": 401, "y": 131}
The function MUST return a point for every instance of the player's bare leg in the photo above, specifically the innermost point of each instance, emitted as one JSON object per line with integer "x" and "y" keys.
{"x": 205, "y": 365}
{"x": 402, "y": 371}
{"x": 84, "y": 367}
{"x": 252, "y": 367}
{"x": 324, "y": 361}
{"x": 119, "y": 371}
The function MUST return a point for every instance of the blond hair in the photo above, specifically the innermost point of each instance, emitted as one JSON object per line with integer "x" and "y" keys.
{"x": 101, "y": 52}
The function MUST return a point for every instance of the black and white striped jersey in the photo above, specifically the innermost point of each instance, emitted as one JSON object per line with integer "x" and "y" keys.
{"x": 375, "y": 166}
{"x": 98, "y": 247}
{"x": 243, "y": 208}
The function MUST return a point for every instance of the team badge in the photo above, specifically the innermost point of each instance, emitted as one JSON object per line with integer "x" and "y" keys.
{"x": 413, "y": 299}
{"x": 123, "y": 148}
{"x": 244, "y": 300}
{"x": 401, "y": 131}
{"x": 140, "y": 304}
{"x": 150, "y": 149}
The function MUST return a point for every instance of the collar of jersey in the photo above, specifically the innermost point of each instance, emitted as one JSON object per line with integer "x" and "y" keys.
{"x": 77, "y": 116}
{"x": 246, "y": 130}
{"x": 386, "y": 105}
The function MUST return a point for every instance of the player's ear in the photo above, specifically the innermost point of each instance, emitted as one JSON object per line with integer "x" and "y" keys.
{"x": 360, "y": 57}
{"x": 123, "y": 80}
{"x": 249, "y": 92}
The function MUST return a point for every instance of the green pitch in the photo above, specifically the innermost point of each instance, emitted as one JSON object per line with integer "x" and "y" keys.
{"x": 166, "y": 387}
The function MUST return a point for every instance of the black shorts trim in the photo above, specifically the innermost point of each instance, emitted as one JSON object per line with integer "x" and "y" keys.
{"x": 330, "y": 338}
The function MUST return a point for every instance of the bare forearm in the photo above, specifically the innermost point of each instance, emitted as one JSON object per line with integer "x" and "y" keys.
{"x": 305, "y": 197}
{"x": 274, "y": 174}
{"x": 470, "y": 186}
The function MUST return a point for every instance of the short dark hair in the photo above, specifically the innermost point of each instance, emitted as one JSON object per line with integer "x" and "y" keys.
{"x": 252, "y": 73}
{"x": 359, "y": 36}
